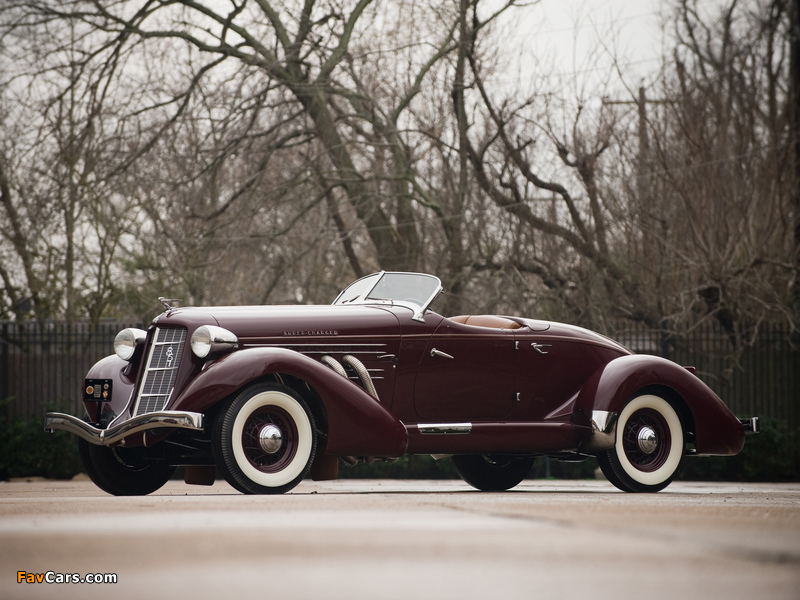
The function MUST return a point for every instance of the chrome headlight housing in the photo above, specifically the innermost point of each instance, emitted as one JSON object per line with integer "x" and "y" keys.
{"x": 127, "y": 341}
{"x": 210, "y": 338}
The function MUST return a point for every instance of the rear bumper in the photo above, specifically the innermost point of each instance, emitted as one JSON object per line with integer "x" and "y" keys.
{"x": 750, "y": 425}
{"x": 173, "y": 419}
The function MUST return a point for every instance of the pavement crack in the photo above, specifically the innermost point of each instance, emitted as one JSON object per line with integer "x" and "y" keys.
{"x": 535, "y": 519}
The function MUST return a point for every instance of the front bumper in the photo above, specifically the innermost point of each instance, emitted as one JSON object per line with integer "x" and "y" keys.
{"x": 173, "y": 419}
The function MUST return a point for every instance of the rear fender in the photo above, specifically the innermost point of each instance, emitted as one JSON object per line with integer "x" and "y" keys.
{"x": 717, "y": 430}
{"x": 357, "y": 423}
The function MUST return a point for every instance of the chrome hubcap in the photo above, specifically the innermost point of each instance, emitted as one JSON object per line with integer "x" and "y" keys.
{"x": 270, "y": 439}
{"x": 647, "y": 440}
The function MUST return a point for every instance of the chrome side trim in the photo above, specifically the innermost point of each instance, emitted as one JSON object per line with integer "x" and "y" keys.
{"x": 323, "y": 348}
{"x": 444, "y": 428}
{"x": 604, "y": 432}
{"x": 604, "y": 421}
{"x": 174, "y": 419}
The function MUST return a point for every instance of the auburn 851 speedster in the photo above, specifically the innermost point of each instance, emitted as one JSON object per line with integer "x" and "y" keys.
{"x": 269, "y": 395}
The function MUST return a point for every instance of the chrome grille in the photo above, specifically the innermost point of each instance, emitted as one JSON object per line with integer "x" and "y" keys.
{"x": 163, "y": 361}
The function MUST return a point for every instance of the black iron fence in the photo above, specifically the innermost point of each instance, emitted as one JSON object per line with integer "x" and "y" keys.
{"x": 41, "y": 365}
{"x": 44, "y": 365}
{"x": 756, "y": 375}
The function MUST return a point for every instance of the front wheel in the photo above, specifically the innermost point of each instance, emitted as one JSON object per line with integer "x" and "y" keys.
{"x": 491, "y": 472}
{"x": 122, "y": 471}
{"x": 648, "y": 448}
{"x": 265, "y": 440}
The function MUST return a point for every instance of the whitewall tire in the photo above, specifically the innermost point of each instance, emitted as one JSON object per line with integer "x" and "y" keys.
{"x": 648, "y": 447}
{"x": 265, "y": 440}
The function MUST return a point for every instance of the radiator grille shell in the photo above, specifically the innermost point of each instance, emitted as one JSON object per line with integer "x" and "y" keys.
{"x": 163, "y": 361}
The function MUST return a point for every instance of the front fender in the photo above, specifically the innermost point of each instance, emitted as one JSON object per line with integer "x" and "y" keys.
{"x": 357, "y": 423}
{"x": 717, "y": 430}
{"x": 114, "y": 368}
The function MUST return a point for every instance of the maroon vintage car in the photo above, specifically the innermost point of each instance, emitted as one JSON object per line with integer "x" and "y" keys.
{"x": 269, "y": 395}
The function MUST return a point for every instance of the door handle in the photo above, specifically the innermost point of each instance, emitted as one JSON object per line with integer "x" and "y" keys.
{"x": 436, "y": 352}
{"x": 539, "y": 347}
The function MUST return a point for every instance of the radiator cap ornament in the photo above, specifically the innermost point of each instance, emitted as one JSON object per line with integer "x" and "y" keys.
{"x": 169, "y": 303}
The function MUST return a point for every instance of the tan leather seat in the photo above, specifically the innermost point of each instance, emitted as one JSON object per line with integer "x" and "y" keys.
{"x": 491, "y": 321}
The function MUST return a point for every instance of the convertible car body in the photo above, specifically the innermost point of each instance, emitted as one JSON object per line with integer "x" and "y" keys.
{"x": 269, "y": 395}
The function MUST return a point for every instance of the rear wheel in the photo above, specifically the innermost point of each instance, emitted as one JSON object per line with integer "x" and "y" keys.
{"x": 122, "y": 471}
{"x": 648, "y": 448}
{"x": 492, "y": 472}
{"x": 265, "y": 440}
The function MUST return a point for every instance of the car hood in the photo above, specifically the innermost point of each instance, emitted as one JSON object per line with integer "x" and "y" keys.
{"x": 251, "y": 323}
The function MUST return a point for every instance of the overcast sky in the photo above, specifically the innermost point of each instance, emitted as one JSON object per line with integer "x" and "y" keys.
{"x": 567, "y": 36}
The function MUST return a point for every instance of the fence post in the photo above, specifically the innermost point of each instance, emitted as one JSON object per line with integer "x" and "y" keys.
{"x": 664, "y": 338}
{"x": 4, "y": 367}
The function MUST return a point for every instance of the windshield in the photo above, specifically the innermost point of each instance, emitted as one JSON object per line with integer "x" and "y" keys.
{"x": 415, "y": 290}
{"x": 357, "y": 290}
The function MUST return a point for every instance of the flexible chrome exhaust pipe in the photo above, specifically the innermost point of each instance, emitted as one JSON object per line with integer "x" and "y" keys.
{"x": 334, "y": 364}
{"x": 358, "y": 367}
{"x": 363, "y": 374}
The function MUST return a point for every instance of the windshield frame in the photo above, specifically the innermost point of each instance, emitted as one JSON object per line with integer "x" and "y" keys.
{"x": 361, "y": 291}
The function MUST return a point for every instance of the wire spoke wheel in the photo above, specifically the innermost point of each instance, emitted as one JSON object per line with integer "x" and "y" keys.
{"x": 646, "y": 440}
{"x": 265, "y": 440}
{"x": 274, "y": 424}
{"x": 648, "y": 447}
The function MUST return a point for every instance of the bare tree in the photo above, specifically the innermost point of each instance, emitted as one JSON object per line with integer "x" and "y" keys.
{"x": 306, "y": 48}
{"x": 699, "y": 221}
{"x": 258, "y": 151}
{"x": 723, "y": 163}
{"x": 352, "y": 100}
{"x": 59, "y": 223}
{"x": 511, "y": 148}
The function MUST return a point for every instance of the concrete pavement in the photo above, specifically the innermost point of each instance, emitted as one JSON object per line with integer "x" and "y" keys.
{"x": 376, "y": 539}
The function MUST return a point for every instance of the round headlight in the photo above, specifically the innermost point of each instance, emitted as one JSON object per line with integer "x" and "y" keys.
{"x": 126, "y": 342}
{"x": 210, "y": 338}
